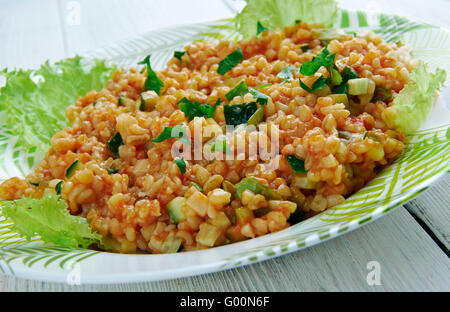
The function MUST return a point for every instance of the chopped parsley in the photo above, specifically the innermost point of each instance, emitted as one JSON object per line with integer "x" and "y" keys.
{"x": 260, "y": 28}
{"x": 286, "y": 74}
{"x": 297, "y": 164}
{"x": 114, "y": 143}
{"x": 305, "y": 47}
{"x": 262, "y": 86}
{"x": 241, "y": 89}
{"x": 317, "y": 85}
{"x": 347, "y": 74}
{"x": 181, "y": 165}
{"x": 230, "y": 61}
{"x": 112, "y": 170}
{"x": 195, "y": 109}
{"x": 178, "y": 131}
{"x": 239, "y": 113}
{"x": 58, "y": 187}
{"x": 153, "y": 82}
{"x": 323, "y": 59}
{"x": 179, "y": 54}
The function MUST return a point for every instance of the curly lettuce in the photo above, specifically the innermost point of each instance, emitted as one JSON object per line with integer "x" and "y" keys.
{"x": 275, "y": 14}
{"x": 49, "y": 218}
{"x": 33, "y": 102}
{"x": 415, "y": 101}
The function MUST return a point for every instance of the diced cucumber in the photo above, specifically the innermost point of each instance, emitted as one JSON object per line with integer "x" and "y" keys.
{"x": 221, "y": 221}
{"x": 302, "y": 181}
{"x": 148, "y": 100}
{"x": 197, "y": 186}
{"x": 243, "y": 215}
{"x": 328, "y": 34}
{"x": 256, "y": 187}
{"x": 257, "y": 117}
{"x": 208, "y": 234}
{"x": 358, "y": 86}
{"x": 325, "y": 91}
{"x": 75, "y": 166}
{"x": 174, "y": 208}
{"x": 340, "y": 98}
{"x": 229, "y": 187}
{"x": 171, "y": 244}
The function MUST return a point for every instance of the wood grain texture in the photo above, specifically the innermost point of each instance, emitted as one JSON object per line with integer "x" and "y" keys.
{"x": 408, "y": 257}
{"x": 433, "y": 208}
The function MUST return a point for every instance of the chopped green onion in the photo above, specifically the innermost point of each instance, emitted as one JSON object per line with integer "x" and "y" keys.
{"x": 241, "y": 89}
{"x": 262, "y": 86}
{"x": 323, "y": 59}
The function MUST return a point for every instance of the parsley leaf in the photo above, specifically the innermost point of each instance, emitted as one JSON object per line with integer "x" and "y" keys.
{"x": 181, "y": 165}
{"x": 347, "y": 74}
{"x": 230, "y": 61}
{"x": 305, "y": 47}
{"x": 153, "y": 82}
{"x": 297, "y": 164}
{"x": 178, "y": 131}
{"x": 179, "y": 54}
{"x": 317, "y": 85}
{"x": 241, "y": 89}
{"x": 114, "y": 143}
{"x": 195, "y": 109}
{"x": 323, "y": 59}
{"x": 239, "y": 113}
{"x": 286, "y": 74}
{"x": 260, "y": 28}
{"x": 58, "y": 187}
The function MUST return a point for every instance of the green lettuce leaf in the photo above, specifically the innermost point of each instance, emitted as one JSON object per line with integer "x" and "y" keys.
{"x": 50, "y": 219}
{"x": 415, "y": 101}
{"x": 275, "y": 14}
{"x": 33, "y": 102}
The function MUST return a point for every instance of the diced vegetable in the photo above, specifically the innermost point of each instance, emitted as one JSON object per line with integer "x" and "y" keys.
{"x": 261, "y": 212}
{"x": 228, "y": 187}
{"x": 340, "y": 98}
{"x": 325, "y": 91}
{"x": 257, "y": 117}
{"x": 243, "y": 215}
{"x": 179, "y": 54}
{"x": 302, "y": 181}
{"x": 358, "y": 86}
{"x": 120, "y": 101}
{"x": 220, "y": 220}
{"x": 171, "y": 244}
{"x": 325, "y": 58}
{"x": 328, "y": 34}
{"x": 241, "y": 90}
{"x": 239, "y": 113}
{"x": 197, "y": 186}
{"x": 114, "y": 143}
{"x": 256, "y": 187}
{"x": 208, "y": 234}
{"x": 148, "y": 100}
{"x": 112, "y": 170}
{"x": 174, "y": 208}
{"x": 305, "y": 47}
{"x": 75, "y": 166}
{"x": 382, "y": 94}
{"x": 286, "y": 74}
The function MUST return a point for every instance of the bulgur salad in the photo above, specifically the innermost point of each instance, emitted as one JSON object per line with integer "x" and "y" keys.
{"x": 232, "y": 140}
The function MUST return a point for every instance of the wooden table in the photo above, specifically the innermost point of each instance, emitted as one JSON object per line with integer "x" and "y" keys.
{"x": 411, "y": 243}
